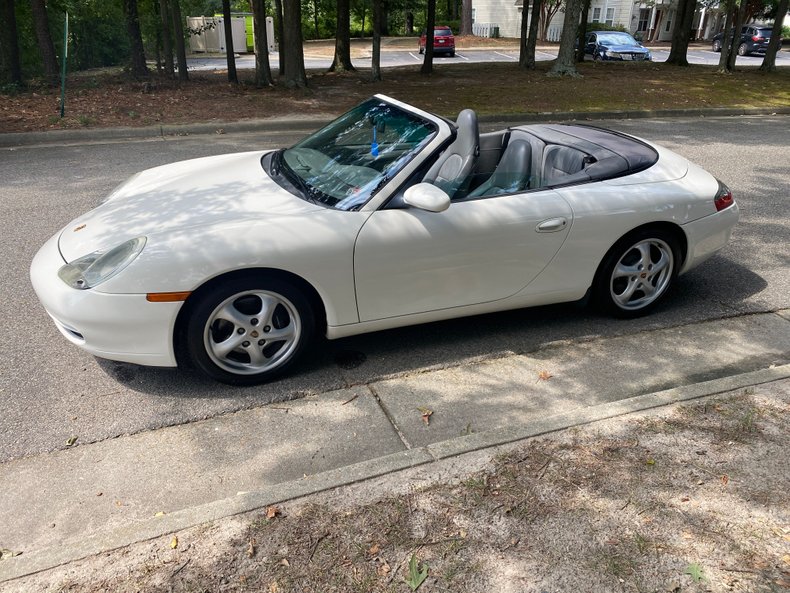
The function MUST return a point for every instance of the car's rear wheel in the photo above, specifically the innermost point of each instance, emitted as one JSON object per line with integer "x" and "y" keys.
{"x": 637, "y": 272}
{"x": 716, "y": 45}
{"x": 422, "y": 49}
{"x": 452, "y": 54}
{"x": 248, "y": 330}
{"x": 742, "y": 49}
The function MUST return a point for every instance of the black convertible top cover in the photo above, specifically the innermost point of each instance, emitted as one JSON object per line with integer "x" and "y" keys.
{"x": 614, "y": 154}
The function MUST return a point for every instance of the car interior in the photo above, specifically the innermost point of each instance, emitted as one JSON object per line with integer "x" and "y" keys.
{"x": 515, "y": 160}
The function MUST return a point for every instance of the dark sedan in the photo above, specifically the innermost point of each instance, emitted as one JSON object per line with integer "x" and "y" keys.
{"x": 615, "y": 45}
{"x": 754, "y": 40}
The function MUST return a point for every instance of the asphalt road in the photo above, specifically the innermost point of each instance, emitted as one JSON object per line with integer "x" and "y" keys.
{"x": 405, "y": 58}
{"x": 50, "y": 391}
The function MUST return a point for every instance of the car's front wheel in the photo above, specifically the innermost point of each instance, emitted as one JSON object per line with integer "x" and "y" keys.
{"x": 637, "y": 272}
{"x": 248, "y": 330}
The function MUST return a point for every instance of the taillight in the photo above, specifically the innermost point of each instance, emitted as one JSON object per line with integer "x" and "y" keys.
{"x": 723, "y": 198}
{"x": 756, "y": 38}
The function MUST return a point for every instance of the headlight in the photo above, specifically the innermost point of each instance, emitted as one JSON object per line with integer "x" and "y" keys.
{"x": 612, "y": 54}
{"x": 93, "y": 269}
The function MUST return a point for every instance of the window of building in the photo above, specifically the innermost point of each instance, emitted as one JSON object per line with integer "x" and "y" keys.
{"x": 644, "y": 19}
{"x": 610, "y": 16}
{"x": 596, "y": 14}
{"x": 669, "y": 21}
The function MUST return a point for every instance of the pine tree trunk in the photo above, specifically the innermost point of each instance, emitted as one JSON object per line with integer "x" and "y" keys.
{"x": 532, "y": 37}
{"x": 136, "y": 52}
{"x": 342, "y": 61}
{"x": 11, "y": 43}
{"x": 263, "y": 72}
{"x": 565, "y": 64}
{"x": 522, "y": 41}
{"x": 278, "y": 24}
{"x": 45, "y": 45}
{"x": 736, "y": 39}
{"x": 466, "y": 17}
{"x": 430, "y": 24}
{"x": 229, "y": 54}
{"x": 583, "y": 31}
{"x": 681, "y": 34}
{"x": 375, "y": 69}
{"x": 178, "y": 36}
{"x": 167, "y": 45}
{"x": 293, "y": 63}
{"x": 769, "y": 61}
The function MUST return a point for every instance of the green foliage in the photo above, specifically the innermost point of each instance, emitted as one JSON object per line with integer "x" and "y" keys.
{"x": 596, "y": 26}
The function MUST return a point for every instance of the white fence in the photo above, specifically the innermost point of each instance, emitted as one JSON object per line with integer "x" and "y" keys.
{"x": 485, "y": 29}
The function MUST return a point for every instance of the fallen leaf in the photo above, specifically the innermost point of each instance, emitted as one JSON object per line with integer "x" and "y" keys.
{"x": 160, "y": 514}
{"x": 695, "y": 571}
{"x": 71, "y": 441}
{"x": 383, "y": 569}
{"x": 426, "y": 415}
{"x": 544, "y": 376}
{"x": 685, "y": 499}
{"x": 251, "y": 548}
{"x": 786, "y": 558}
{"x": 650, "y": 461}
{"x": 374, "y": 549}
{"x": 272, "y": 512}
{"x": 174, "y": 543}
{"x": 273, "y": 587}
{"x": 725, "y": 479}
{"x": 417, "y": 573}
{"x": 284, "y": 562}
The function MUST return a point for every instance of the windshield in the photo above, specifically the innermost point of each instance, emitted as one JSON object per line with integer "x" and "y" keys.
{"x": 345, "y": 163}
{"x": 617, "y": 39}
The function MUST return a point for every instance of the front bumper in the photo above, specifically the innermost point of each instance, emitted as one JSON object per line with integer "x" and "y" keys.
{"x": 123, "y": 327}
{"x": 708, "y": 234}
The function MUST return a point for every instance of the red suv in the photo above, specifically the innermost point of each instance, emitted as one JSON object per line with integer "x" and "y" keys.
{"x": 443, "y": 41}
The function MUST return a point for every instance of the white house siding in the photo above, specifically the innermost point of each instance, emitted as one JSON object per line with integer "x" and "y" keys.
{"x": 502, "y": 13}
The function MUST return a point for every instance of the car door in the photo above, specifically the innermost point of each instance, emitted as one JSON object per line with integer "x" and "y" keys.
{"x": 408, "y": 260}
{"x": 589, "y": 47}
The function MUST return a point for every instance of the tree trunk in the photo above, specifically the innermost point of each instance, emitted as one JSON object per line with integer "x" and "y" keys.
{"x": 278, "y": 24}
{"x": 375, "y": 70}
{"x": 293, "y": 63}
{"x": 342, "y": 61}
{"x": 565, "y": 64}
{"x": 45, "y": 45}
{"x": 317, "y": 35}
{"x": 583, "y": 30}
{"x": 466, "y": 17}
{"x": 430, "y": 24}
{"x": 136, "y": 51}
{"x": 769, "y": 61}
{"x": 522, "y": 41}
{"x": 178, "y": 36}
{"x": 532, "y": 37}
{"x": 11, "y": 43}
{"x": 167, "y": 45}
{"x": 736, "y": 40}
{"x": 229, "y": 53}
{"x": 681, "y": 33}
{"x": 263, "y": 73}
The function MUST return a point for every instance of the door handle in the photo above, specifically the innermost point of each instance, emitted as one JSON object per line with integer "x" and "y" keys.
{"x": 552, "y": 225}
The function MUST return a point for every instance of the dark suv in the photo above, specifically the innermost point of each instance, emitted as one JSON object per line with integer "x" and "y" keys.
{"x": 754, "y": 39}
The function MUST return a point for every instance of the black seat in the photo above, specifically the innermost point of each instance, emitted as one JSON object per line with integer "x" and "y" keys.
{"x": 560, "y": 164}
{"x": 511, "y": 174}
{"x": 456, "y": 163}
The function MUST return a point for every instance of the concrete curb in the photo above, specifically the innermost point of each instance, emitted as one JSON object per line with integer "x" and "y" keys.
{"x": 71, "y": 551}
{"x": 308, "y": 124}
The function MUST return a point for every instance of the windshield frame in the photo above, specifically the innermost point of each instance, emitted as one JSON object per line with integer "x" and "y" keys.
{"x": 321, "y": 167}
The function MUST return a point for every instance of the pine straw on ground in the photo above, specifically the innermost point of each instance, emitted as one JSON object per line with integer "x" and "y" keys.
{"x": 104, "y": 99}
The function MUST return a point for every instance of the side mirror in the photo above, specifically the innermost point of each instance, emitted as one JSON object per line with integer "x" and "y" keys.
{"x": 427, "y": 196}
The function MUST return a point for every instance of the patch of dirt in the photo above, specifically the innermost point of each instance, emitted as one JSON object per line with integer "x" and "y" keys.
{"x": 111, "y": 99}
{"x": 690, "y": 498}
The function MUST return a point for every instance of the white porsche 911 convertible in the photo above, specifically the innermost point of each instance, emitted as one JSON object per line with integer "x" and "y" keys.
{"x": 388, "y": 216}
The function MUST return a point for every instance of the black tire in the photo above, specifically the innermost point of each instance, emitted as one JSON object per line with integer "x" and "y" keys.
{"x": 452, "y": 54}
{"x": 716, "y": 45}
{"x": 743, "y": 50}
{"x": 260, "y": 308}
{"x": 421, "y": 50}
{"x": 625, "y": 294}
{"x": 597, "y": 58}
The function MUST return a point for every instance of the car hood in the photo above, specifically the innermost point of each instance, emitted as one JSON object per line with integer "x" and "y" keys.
{"x": 193, "y": 193}
{"x": 625, "y": 48}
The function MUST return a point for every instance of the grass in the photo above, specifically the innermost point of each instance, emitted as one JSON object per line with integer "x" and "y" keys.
{"x": 109, "y": 98}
